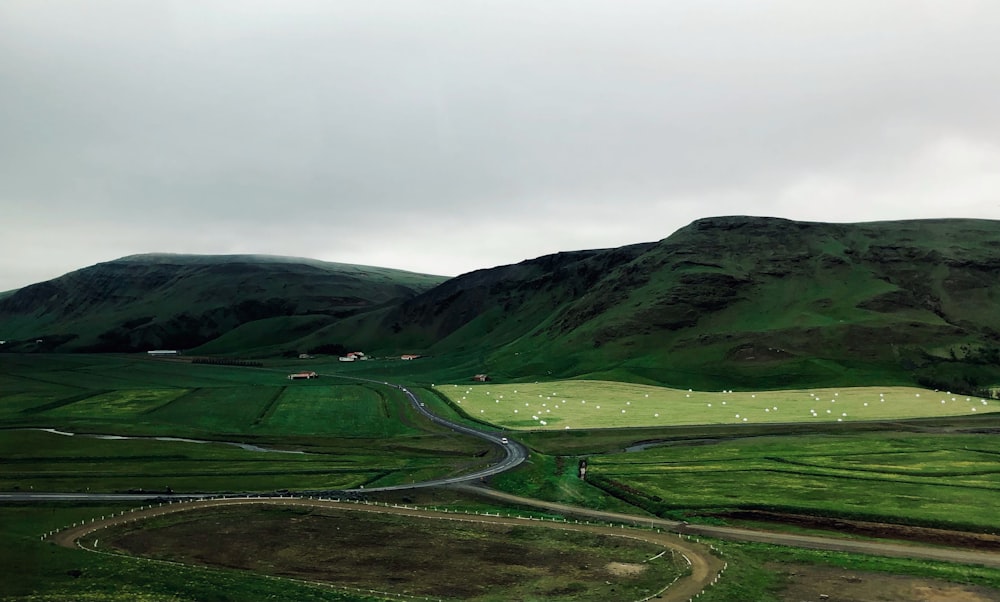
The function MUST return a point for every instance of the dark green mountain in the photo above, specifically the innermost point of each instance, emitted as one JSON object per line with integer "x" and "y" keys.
{"x": 723, "y": 302}
{"x": 181, "y": 301}
{"x": 735, "y": 301}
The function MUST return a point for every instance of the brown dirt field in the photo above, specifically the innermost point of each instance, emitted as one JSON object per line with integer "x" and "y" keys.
{"x": 808, "y": 583}
{"x": 402, "y": 554}
{"x": 309, "y": 545}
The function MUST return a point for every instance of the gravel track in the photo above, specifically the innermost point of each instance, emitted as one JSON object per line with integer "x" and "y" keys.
{"x": 705, "y": 566}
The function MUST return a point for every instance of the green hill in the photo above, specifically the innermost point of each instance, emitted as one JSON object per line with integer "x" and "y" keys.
{"x": 732, "y": 301}
{"x": 724, "y": 302}
{"x": 183, "y": 301}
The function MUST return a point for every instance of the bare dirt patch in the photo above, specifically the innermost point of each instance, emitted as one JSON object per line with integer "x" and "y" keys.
{"x": 443, "y": 559}
{"x": 842, "y": 585}
{"x": 625, "y": 569}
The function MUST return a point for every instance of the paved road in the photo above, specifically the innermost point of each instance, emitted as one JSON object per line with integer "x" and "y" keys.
{"x": 514, "y": 452}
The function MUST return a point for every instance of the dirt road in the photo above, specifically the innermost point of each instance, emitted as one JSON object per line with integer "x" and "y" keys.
{"x": 878, "y": 548}
{"x": 705, "y": 567}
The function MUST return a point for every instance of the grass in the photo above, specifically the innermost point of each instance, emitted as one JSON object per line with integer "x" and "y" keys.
{"x": 585, "y": 404}
{"x": 367, "y": 434}
{"x": 357, "y": 434}
{"x": 946, "y": 480}
{"x": 40, "y": 461}
{"x": 39, "y": 571}
{"x": 351, "y": 410}
{"x": 756, "y": 572}
{"x": 555, "y": 479}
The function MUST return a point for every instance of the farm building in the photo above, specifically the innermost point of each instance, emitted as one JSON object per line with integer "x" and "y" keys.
{"x": 302, "y": 375}
{"x": 408, "y": 357}
{"x": 480, "y": 378}
{"x": 353, "y": 356}
{"x": 163, "y": 352}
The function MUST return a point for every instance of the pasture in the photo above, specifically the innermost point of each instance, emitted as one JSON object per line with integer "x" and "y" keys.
{"x": 43, "y": 461}
{"x": 587, "y": 404}
{"x": 136, "y": 395}
{"x": 355, "y": 434}
{"x": 949, "y": 480}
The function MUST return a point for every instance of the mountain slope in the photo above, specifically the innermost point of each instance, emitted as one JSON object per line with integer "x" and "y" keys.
{"x": 757, "y": 301}
{"x": 181, "y": 301}
{"x": 724, "y": 302}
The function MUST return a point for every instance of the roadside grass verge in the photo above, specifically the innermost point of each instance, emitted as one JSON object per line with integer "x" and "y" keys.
{"x": 555, "y": 479}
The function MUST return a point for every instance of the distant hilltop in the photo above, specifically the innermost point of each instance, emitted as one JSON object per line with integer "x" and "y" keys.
{"x": 765, "y": 302}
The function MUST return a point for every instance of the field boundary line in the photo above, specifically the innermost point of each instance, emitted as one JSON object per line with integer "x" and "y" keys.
{"x": 269, "y": 407}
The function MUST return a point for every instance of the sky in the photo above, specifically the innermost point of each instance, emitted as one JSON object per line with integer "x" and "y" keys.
{"x": 445, "y": 136}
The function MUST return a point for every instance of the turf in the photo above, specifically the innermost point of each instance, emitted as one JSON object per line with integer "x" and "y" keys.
{"x": 583, "y": 404}
{"x": 939, "y": 480}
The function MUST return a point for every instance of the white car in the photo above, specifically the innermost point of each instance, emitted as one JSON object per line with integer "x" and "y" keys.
{"x": 504, "y": 440}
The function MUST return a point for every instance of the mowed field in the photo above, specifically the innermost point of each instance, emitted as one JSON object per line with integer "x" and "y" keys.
{"x": 949, "y": 480}
{"x": 588, "y": 404}
{"x": 351, "y": 434}
{"x": 141, "y": 396}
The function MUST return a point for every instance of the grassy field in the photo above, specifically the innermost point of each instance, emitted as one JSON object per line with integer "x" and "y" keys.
{"x": 350, "y": 410}
{"x": 582, "y": 404}
{"x": 41, "y": 461}
{"x": 356, "y": 434}
{"x": 135, "y": 395}
{"x": 948, "y": 480}
{"x": 709, "y": 461}
{"x": 767, "y": 573}
{"x": 38, "y": 571}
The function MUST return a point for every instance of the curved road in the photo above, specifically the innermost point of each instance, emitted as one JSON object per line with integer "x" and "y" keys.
{"x": 514, "y": 452}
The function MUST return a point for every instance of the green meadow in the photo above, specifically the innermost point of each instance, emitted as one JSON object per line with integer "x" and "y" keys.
{"x": 348, "y": 434}
{"x": 833, "y": 452}
{"x": 39, "y": 571}
{"x": 941, "y": 479}
{"x": 588, "y": 404}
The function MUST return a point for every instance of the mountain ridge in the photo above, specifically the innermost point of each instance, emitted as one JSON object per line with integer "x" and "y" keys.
{"x": 754, "y": 300}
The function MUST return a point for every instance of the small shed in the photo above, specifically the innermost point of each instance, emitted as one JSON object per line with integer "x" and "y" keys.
{"x": 481, "y": 378}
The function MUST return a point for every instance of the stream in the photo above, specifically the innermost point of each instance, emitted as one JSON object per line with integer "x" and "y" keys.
{"x": 244, "y": 446}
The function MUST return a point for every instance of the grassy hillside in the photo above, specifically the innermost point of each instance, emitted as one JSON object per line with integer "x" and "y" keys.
{"x": 183, "y": 301}
{"x": 727, "y": 302}
{"x": 730, "y": 302}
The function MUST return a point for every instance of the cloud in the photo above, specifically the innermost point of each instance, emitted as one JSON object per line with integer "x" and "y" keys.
{"x": 395, "y": 133}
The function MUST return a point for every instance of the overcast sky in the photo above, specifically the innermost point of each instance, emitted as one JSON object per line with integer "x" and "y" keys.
{"x": 443, "y": 136}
